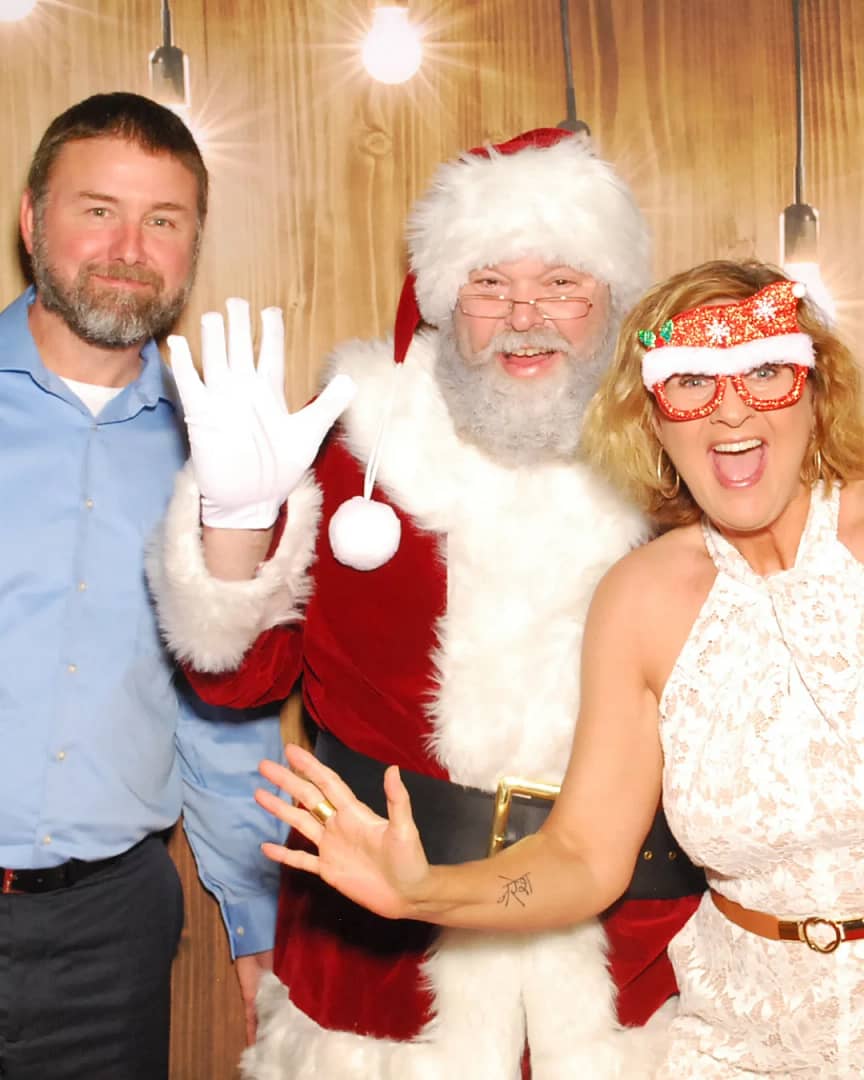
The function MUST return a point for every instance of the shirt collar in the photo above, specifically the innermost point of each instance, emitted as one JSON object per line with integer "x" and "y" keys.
{"x": 18, "y": 352}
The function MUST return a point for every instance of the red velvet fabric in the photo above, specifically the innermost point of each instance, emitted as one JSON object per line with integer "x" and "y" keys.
{"x": 638, "y": 933}
{"x": 364, "y": 650}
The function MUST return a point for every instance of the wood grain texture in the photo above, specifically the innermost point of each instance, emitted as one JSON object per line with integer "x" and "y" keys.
{"x": 314, "y": 167}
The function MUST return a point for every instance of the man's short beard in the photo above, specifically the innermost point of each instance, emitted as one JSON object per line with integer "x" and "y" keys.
{"x": 521, "y": 421}
{"x": 106, "y": 317}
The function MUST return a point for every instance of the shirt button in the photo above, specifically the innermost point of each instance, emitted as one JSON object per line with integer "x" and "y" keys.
{"x": 71, "y": 668}
{"x": 61, "y": 755}
{"x": 82, "y": 586}
{"x": 241, "y": 930}
{"x": 46, "y": 839}
{"x": 88, "y": 503}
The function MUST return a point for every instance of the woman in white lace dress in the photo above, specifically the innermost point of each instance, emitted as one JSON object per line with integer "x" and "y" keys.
{"x": 723, "y": 663}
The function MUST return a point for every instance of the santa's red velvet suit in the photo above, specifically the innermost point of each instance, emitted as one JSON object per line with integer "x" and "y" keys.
{"x": 459, "y": 659}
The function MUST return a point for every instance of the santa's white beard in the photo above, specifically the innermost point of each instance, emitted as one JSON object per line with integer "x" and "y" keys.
{"x": 520, "y": 421}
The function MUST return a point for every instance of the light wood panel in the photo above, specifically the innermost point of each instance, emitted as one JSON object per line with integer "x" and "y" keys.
{"x": 314, "y": 167}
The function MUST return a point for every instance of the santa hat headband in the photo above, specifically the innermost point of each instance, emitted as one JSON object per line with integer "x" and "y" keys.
{"x": 729, "y": 339}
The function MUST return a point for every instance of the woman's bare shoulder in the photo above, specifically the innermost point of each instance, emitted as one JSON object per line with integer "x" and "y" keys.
{"x": 669, "y": 561}
{"x": 647, "y": 603}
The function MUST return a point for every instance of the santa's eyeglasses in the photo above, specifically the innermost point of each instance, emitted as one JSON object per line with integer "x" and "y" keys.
{"x": 692, "y": 396}
{"x": 554, "y": 308}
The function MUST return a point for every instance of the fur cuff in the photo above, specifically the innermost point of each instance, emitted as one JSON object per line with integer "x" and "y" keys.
{"x": 209, "y": 623}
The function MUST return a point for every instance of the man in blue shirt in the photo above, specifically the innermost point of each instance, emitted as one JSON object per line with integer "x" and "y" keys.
{"x": 100, "y": 747}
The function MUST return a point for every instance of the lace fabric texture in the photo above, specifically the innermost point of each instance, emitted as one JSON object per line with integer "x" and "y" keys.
{"x": 762, "y": 726}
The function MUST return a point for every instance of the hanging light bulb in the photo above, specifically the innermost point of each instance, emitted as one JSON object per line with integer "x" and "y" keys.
{"x": 799, "y": 222}
{"x": 12, "y": 10}
{"x": 799, "y": 253}
{"x": 169, "y": 69}
{"x": 391, "y": 50}
{"x": 572, "y": 123}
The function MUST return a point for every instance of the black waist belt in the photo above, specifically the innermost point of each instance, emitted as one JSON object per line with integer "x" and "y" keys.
{"x": 52, "y": 877}
{"x": 455, "y": 822}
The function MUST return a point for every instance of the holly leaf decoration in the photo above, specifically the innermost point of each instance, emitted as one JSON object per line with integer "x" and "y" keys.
{"x": 666, "y": 331}
{"x": 647, "y": 338}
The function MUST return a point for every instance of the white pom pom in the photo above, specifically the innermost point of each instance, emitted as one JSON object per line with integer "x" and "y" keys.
{"x": 799, "y": 289}
{"x": 364, "y": 534}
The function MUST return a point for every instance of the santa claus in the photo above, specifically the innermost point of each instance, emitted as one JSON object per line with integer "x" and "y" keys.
{"x": 428, "y": 577}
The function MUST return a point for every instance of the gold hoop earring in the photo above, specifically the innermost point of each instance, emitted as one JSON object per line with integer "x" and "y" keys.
{"x": 817, "y": 463}
{"x": 662, "y": 486}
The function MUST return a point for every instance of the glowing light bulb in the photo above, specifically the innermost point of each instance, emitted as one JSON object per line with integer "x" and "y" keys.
{"x": 809, "y": 274}
{"x": 12, "y": 10}
{"x": 391, "y": 50}
{"x": 799, "y": 254}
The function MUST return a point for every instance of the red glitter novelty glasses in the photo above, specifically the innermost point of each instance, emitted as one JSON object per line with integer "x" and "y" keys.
{"x": 763, "y": 388}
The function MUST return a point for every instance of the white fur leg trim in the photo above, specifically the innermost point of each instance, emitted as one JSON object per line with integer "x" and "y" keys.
{"x": 486, "y": 986}
{"x": 291, "y": 1046}
{"x": 210, "y": 623}
{"x": 493, "y": 989}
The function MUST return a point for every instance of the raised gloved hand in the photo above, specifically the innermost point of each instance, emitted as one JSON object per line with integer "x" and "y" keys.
{"x": 248, "y": 451}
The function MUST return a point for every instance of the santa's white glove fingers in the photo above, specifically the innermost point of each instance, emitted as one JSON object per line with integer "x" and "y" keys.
{"x": 315, "y": 420}
{"x": 271, "y": 354}
{"x": 241, "y": 358}
{"x": 189, "y": 386}
{"x": 248, "y": 451}
{"x": 214, "y": 353}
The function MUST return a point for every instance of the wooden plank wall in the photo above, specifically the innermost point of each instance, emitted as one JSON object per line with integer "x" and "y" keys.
{"x": 314, "y": 166}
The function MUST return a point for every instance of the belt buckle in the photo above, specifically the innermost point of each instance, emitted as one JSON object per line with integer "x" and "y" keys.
{"x": 508, "y": 786}
{"x": 8, "y": 878}
{"x": 807, "y": 926}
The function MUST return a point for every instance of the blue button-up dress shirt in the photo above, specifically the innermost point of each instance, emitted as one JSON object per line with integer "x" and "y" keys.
{"x": 98, "y": 746}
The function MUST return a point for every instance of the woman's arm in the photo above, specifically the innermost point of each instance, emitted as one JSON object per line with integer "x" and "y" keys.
{"x": 582, "y": 858}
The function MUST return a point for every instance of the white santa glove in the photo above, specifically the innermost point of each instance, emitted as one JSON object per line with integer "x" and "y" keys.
{"x": 248, "y": 451}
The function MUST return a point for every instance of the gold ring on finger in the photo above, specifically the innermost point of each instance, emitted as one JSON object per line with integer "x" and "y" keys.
{"x": 322, "y": 811}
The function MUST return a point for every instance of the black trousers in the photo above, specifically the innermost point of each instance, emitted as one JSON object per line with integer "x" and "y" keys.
{"x": 85, "y": 973}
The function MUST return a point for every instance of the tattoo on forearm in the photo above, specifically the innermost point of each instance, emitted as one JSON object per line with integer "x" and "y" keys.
{"x": 515, "y": 889}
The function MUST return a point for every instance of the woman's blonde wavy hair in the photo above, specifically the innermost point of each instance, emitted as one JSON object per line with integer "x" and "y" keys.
{"x": 619, "y": 436}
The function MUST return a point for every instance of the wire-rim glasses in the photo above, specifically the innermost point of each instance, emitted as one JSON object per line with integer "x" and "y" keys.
{"x": 554, "y": 308}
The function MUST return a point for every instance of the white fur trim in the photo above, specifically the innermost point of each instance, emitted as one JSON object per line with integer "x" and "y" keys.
{"x": 660, "y": 363}
{"x": 524, "y": 550}
{"x": 561, "y": 203}
{"x": 490, "y": 991}
{"x": 206, "y": 621}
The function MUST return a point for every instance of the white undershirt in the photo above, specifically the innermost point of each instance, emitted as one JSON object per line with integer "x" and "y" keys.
{"x": 94, "y": 397}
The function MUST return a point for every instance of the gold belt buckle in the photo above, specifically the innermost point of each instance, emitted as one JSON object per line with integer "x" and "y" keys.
{"x": 508, "y": 786}
{"x": 807, "y": 926}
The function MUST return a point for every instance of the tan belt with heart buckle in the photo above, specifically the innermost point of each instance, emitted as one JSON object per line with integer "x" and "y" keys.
{"x": 821, "y": 935}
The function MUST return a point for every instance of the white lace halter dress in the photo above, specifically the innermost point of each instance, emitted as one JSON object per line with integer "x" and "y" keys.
{"x": 762, "y": 727}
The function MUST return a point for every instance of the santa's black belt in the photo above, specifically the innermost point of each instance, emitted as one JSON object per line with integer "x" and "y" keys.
{"x": 455, "y": 822}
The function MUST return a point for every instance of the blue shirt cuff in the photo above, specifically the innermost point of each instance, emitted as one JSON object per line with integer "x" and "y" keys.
{"x": 251, "y": 924}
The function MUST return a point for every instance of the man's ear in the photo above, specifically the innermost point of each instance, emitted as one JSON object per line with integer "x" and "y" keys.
{"x": 27, "y": 220}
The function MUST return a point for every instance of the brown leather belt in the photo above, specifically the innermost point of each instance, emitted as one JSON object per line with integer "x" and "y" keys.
{"x": 821, "y": 935}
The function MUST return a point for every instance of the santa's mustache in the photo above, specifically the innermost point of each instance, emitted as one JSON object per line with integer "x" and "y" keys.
{"x": 544, "y": 338}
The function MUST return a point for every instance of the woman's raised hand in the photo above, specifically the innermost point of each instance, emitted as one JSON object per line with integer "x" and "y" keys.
{"x": 377, "y": 862}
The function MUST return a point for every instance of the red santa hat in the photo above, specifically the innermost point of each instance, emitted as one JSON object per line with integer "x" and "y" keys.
{"x": 544, "y": 193}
